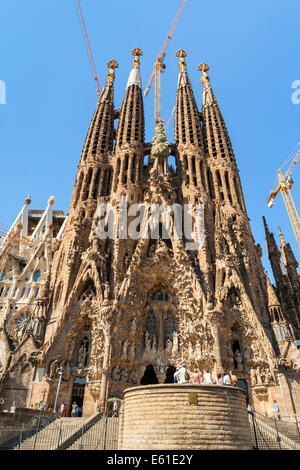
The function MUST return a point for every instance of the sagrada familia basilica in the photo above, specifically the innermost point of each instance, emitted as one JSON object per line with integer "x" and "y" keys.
{"x": 96, "y": 315}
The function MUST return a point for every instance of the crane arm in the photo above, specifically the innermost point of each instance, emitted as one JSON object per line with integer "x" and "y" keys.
{"x": 82, "y": 24}
{"x": 292, "y": 212}
{"x": 283, "y": 179}
{"x": 163, "y": 51}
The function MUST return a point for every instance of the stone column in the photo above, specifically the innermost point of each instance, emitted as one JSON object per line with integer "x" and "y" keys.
{"x": 105, "y": 367}
{"x": 215, "y": 318}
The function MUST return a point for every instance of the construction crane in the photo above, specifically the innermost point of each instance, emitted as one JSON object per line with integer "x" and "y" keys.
{"x": 169, "y": 118}
{"x": 284, "y": 185}
{"x": 160, "y": 67}
{"x": 88, "y": 46}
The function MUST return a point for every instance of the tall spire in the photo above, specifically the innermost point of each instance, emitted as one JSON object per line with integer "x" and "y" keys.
{"x": 287, "y": 254}
{"x": 217, "y": 138}
{"x": 131, "y": 130}
{"x": 135, "y": 76}
{"x": 187, "y": 118}
{"x": 272, "y": 296}
{"x": 218, "y": 145}
{"x": 291, "y": 265}
{"x": 99, "y": 138}
{"x": 92, "y": 180}
{"x": 131, "y": 127}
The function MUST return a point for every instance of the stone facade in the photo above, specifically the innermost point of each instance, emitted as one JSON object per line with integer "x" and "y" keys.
{"x": 110, "y": 313}
{"x": 204, "y": 417}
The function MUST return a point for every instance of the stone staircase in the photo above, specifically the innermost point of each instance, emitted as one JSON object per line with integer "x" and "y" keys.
{"x": 270, "y": 434}
{"x": 103, "y": 435}
{"x": 52, "y": 436}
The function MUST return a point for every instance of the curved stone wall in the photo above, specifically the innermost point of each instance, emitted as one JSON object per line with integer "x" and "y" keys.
{"x": 187, "y": 416}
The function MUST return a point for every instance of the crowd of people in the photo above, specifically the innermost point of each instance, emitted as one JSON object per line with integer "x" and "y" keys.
{"x": 182, "y": 376}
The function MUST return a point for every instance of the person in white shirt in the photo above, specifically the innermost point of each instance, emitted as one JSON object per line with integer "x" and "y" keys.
{"x": 226, "y": 379}
{"x": 182, "y": 375}
{"x": 208, "y": 378}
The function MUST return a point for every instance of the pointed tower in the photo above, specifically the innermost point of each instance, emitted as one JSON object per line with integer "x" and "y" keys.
{"x": 280, "y": 326}
{"x": 189, "y": 137}
{"x": 93, "y": 182}
{"x": 275, "y": 259}
{"x": 283, "y": 284}
{"x": 94, "y": 174}
{"x": 218, "y": 145}
{"x": 130, "y": 136}
{"x": 128, "y": 166}
{"x": 290, "y": 263}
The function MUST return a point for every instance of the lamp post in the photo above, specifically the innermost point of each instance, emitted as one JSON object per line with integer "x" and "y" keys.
{"x": 281, "y": 389}
{"x": 60, "y": 373}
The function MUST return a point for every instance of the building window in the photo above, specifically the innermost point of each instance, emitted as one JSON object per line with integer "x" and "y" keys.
{"x": 3, "y": 274}
{"x": 15, "y": 291}
{"x": 36, "y": 292}
{"x": 23, "y": 291}
{"x": 7, "y": 290}
{"x": 36, "y": 276}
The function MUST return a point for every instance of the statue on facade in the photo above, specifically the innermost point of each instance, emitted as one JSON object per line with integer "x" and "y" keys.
{"x": 115, "y": 375}
{"x": 124, "y": 376}
{"x": 132, "y": 351}
{"x": 147, "y": 341}
{"x": 175, "y": 343}
{"x": 82, "y": 353}
{"x": 125, "y": 349}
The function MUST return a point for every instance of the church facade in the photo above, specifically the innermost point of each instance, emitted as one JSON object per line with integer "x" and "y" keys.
{"x": 95, "y": 302}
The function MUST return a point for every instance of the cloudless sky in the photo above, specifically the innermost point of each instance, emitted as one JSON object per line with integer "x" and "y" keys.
{"x": 253, "y": 52}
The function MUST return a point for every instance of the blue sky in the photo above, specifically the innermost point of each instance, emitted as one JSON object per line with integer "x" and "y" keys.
{"x": 253, "y": 52}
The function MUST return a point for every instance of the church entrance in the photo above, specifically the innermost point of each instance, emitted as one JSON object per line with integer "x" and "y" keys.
{"x": 149, "y": 377}
{"x": 78, "y": 394}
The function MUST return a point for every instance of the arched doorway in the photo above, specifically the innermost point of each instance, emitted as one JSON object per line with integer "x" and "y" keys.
{"x": 78, "y": 393}
{"x": 170, "y": 375}
{"x": 149, "y": 377}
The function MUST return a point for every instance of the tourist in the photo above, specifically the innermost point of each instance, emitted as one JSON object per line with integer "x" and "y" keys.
{"x": 176, "y": 375}
{"x": 62, "y": 410}
{"x": 2, "y": 401}
{"x": 182, "y": 375}
{"x": 276, "y": 410}
{"x": 42, "y": 405}
{"x": 74, "y": 406}
{"x": 77, "y": 411}
{"x": 233, "y": 379}
{"x": 250, "y": 409}
{"x": 208, "y": 378}
{"x": 100, "y": 407}
{"x": 219, "y": 379}
{"x": 226, "y": 379}
{"x": 115, "y": 409}
{"x": 196, "y": 376}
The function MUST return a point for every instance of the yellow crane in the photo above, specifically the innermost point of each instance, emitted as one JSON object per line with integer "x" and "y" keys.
{"x": 285, "y": 183}
{"x": 160, "y": 67}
